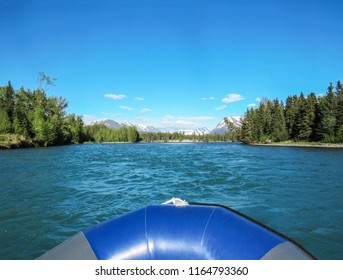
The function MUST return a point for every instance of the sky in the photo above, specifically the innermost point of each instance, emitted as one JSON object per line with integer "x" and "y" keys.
{"x": 172, "y": 64}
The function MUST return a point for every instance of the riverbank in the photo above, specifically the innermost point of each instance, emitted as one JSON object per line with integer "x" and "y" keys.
{"x": 301, "y": 144}
{"x": 13, "y": 141}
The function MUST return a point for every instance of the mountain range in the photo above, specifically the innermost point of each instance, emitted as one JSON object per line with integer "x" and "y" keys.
{"x": 221, "y": 127}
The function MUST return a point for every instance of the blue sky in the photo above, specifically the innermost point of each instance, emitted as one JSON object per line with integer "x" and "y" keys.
{"x": 171, "y": 63}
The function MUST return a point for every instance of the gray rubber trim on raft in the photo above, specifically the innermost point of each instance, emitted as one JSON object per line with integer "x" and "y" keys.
{"x": 286, "y": 251}
{"x": 75, "y": 248}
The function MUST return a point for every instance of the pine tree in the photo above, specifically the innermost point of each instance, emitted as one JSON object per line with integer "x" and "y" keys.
{"x": 339, "y": 113}
{"x": 133, "y": 135}
{"x": 302, "y": 120}
{"x": 23, "y": 107}
{"x": 326, "y": 116}
{"x": 278, "y": 124}
{"x": 247, "y": 130}
{"x": 5, "y": 123}
{"x": 312, "y": 103}
{"x": 7, "y": 108}
{"x": 291, "y": 109}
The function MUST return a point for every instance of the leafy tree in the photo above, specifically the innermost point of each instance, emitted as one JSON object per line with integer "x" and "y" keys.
{"x": 73, "y": 132}
{"x": 37, "y": 118}
{"x": 5, "y": 123}
{"x": 45, "y": 82}
{"x": 132, "y": 134}
{"x": 22, "y": 110}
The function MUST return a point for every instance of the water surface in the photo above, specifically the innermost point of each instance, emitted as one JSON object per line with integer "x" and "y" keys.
{"x": 49, "y": 194}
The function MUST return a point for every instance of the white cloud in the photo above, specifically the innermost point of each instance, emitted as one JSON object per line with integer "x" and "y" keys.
{"x": 111, "y": 115}
{"x": 172, "y": 123}
{"x": 139, "y": 98}
{"x": 145, "y": 110}
{"x": 232, "y": 97}
{"x": 251, "y": 105}
{"x": 89, "y": 118}
{"x": 258, "y": 99}
{"x": 207, "y": 98}
{"x": 220, "y": 108}
{"x": 144, "y": 119}
{"x": 197, "y": 118}
{"x": 126, "y": 108}
{"x": 115, "y": 96}
{"x": 168, "y": 118}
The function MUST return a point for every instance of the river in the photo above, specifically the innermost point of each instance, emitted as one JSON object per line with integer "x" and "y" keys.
{"x": 49, "y": 194}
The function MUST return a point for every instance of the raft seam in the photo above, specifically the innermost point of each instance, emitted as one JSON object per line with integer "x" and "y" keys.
{"x": 205, "y": 229}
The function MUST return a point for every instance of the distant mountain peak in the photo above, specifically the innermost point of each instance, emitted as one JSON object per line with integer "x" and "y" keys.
{"x": 117, "y": 124}
{"x": 196, "y": 131}
{"x": 222, "y": 128}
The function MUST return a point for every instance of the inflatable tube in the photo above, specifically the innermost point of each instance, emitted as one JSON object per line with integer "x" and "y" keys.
{"x": 167, "y": 232}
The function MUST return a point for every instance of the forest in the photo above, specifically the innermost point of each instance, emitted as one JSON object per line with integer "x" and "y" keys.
{"x": 31, "y": 118}
{"x": 178, "y": 136}
{"x": 301, "y": 118}
{"x": 101, "y": 133}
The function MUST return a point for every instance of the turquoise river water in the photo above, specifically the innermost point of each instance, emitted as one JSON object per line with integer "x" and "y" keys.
{"x": 49, "y": 194}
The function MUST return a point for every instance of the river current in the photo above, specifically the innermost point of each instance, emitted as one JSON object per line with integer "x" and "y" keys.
{"x": 49, "y": 194}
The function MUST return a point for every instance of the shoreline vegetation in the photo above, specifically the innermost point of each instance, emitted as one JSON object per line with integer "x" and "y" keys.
{"x": 313, "y": 118}
{"x": 300, "y": 144}
{"x": 32, "y": 119}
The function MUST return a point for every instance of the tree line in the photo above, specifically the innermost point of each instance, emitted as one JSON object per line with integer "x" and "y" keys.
{"x": 179, "y": 136}
{"x": 31, "y": 118}
{"x": 35, "y": 119}
{"x": 101, "y": 133}
{"x": 301, "y": 118}
{"x": 39, "y": 120}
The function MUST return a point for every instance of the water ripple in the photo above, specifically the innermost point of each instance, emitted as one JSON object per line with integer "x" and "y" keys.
{"x": 50, "y": 194}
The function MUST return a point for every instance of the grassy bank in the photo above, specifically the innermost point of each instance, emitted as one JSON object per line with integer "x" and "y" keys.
{"x": 301, "y": 144}
{"x": 9, "y": 141}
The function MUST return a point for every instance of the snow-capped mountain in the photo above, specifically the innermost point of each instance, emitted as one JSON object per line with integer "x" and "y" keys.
{"x": 140, "y": 127}
{"x": 116, "y": 124}
{"x": 196, "y": 131}
{"x": 109, "y": 123}
{"x": 221, "y": 127}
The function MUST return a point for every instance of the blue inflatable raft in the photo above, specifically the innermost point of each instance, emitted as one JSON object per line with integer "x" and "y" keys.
{"x": 184, "y": 232}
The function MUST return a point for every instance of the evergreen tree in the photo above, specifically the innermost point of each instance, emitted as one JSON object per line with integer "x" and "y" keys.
{"x": 6, "y": 108}
{"x": 247, "y": 131}
{"x": 312, "y": 104}
{"x": 278, "y": 124}
{"x": 133, "y": 135}
{"x": 22, "y": 110}
{"x": 326, "y": 116}
{"x": 291, "y": 110}
{"x": 37, "y": 118}
{"x": 303, "y": 120}
{"x": 339, "y": 108}
{"x": 5, "y": 123}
